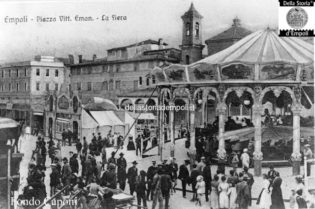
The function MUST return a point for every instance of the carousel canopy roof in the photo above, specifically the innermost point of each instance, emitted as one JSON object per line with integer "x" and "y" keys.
{"x": 264, "y": 46}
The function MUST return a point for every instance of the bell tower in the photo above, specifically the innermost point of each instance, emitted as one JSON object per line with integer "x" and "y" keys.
{"x": 192, "y": 36}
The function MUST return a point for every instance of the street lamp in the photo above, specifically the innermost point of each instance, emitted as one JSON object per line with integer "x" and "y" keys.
{"x": 9, "y": 144}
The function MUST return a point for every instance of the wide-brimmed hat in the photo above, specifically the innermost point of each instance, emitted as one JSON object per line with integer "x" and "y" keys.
{"x": 65, "y": 159}
{"x": 187, "y": 161}
{"x": 121, "y": 154}
{"x": 134, "y": 162}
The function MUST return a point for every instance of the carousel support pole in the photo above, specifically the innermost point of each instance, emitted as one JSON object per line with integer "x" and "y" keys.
{"x": 192, "y": 148}
{"x": 221, "y": 110}
{"x": 171, "y": 128}
{"x": 203, "y": 107}
{"x": 258, "y": 155}
{"x": 296, "y": 154}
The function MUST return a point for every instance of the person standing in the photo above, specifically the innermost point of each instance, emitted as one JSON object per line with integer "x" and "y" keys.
{"x": 74, "y": 164}
{"x": 300, "y": 200}
{"x": 309, "y": 155}
{"x": 276, "y": 195}
{"x": 157, "y": 193}
{"x": 223, "y": 193}
{"x": 184, "y": 176}
{"x": 271, "y": 173}
{"x": 132, "y": 177}
{"x": 54, "y": 179}
{"x": 207, "y": 178}
{"x": 166, "y": 185}
{"x": 232, "y": 181}
{"x": 138, "y": 144}
{"x": 121, "y": 171}
{"x": 193, "y": 177}
{"x": 78, "y": 146}
{"x": 141, "y": 189}
{"x": 66, "y": 174}
{"x": 200, "y": 187}
{"x": 112, "y": 159}
{"x": 264, "y": 199}
{"x": 109, "y": 177}
{"x": 245, "y": 158}
{"x": 104, "y": 158}
{"x": 214, "y": 195}
{"x": 152, "y": 170}
{"x": 242, "y": 191}
{"x": 250, "y": 182}
{"x": 173, "y": 168}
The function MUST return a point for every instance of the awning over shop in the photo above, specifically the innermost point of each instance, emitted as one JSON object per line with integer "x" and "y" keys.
{"x": 106, "y": 118}
{"x": 87, "y": 120}
{"x": 8, "y": 123}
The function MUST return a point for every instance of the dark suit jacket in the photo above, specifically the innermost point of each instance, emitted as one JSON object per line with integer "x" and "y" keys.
{"x": 183, "y": 173}
{"x": 207, "y": 174}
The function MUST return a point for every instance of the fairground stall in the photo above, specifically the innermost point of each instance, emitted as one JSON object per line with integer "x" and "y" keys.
{"x": 261, "y": 88}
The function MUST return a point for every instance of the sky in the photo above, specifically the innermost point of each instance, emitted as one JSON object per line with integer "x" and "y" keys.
{"x": 146, "y": 19}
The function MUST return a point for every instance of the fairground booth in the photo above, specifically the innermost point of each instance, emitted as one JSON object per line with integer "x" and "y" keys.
{"x": 256, "y": 93}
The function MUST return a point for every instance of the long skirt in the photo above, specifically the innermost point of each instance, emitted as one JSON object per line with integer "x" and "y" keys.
{"x": 233, "y": 195}
{"x": 214, "y": 199}
{"x": 223, "y": 200}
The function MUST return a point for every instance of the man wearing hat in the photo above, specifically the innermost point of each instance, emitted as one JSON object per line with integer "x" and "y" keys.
{"x": 112, "y": 159}
{"x": 184, "y": 175}
{"x": 54, "y": 179}
{"x": 245, "y": 158}
{"x": 309, "y": 155}
{"x": 121, "y": 171}
{"x": 109, "y": 177}
{"x": 152, "y": 170}
{"x": 66, "y": 173}
{"x": 74, "y": 164}
{"x": 132, "y": 177}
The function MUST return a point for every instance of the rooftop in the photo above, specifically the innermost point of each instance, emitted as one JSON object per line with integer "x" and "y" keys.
{"x": 192, "y": 12}
{"x": 148, "y": 41}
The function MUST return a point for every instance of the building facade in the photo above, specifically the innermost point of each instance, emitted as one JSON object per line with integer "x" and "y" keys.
{"x": 25, "y": 87}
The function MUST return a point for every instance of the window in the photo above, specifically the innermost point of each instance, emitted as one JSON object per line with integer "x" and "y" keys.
{"x": 37, "y": 72}
{"x": 117, "y": 68}
{"x": 187, "y": 60}
{"x": 56, "y": 73}
{"x": 197, "y": 29}
{"x": 136, "y": 66}
{"x": 148, "y": 81}
{"x": 89, "y": 86}
{"x": 117, "y": 85}
{"x": 47, "y": 72}
{"x": 2, "y": 73}
{"x": 140, "y": 80}
{"x": 17, "y": 87}
{"x": 188, "y": 29}
{"x": 17, "y": 72}
{"x": 47, "y": 86}
{"x": 25, "y": 86}
{"x": 9, "y": 73}
{"x": 25, "y": 72}
{"x": 79, "y": 86}
{"x": 37, "y": 86}
{"x": 56, "y": 86}
{"x": 105, "y": 68}
{"x": 105, "y": 85}
{"x": 110, "y": 68}
{"x": 153, "y": 79}
{"x": 111, "y": 85}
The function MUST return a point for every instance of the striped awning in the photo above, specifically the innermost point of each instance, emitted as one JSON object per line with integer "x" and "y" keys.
{"x": 262, "y": 47}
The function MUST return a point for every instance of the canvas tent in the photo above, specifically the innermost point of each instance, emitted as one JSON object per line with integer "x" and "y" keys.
{"x": 100, "y": 122}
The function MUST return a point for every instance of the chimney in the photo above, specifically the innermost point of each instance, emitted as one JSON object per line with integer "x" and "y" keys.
{"x": 94, "y": 57}
{"x": 71, "y": 59}
{"x": 80, "y": 58}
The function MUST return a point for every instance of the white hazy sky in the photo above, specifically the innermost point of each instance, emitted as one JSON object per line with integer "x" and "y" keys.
{"x": 145, "y": 19}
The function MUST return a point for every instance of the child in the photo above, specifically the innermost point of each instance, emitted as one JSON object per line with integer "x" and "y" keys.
{"x": 292, "y": 199}
{"x": 300, "y": 200}
{"x": 200, "y": 187}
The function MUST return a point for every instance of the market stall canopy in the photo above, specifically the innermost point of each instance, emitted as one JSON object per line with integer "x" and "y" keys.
{"x": 87, "y": 120}
{"x": 98, "y": 104}
{"x": 262, "y": 47}
{"x": 106, "y": 118}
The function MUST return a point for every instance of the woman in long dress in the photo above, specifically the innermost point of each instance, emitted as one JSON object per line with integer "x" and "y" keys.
{"x": 265, "y": 198}
{"x": 232, "y": 181}
{"x": 214, "y": 197}
{"x": 276, "y": 194}
{"x": 223, "y": 196}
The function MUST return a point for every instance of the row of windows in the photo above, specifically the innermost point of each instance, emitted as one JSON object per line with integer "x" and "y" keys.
{"x": 38, "y": 87}
{"x": 14, "y": 73}
{"x": 47, "y": 72}
{"x": 147, "y": 80}
{"x": 14, "y": 87}
{"x": 106, "y": 69}
{"x": 107, "y": 86}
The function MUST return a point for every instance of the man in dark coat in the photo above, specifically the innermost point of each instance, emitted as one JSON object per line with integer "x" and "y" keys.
{"x": 184, "y": 176}
{"x": 207, "y": 178}
{"x": 152, "y": 170}
{"x": 109, "y": 177}
{"x": 112, "y": 159}
{"x": 121, "y": 171}
{"x": 193, "y": 177}
{"x": 166, "y": 185}
{"x": 138, "y": 144}
{"x": 242, "y": 191}
{"x": 88, "y": 168}
{"x": 78, "y": 146}
{"x": 141, "y": 187}
{"x": 173, "y": 168}
{"x": 74, "y": 164}
{"x": 54, "y": 179}
{"x": 250, "y": 182}
{"x": 276, "y": 194}
{"x": 66, "y": 174}
{"x": 132, "y": 177}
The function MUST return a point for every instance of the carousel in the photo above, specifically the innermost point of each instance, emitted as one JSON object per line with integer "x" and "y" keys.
{"x": 259, "y": 90}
